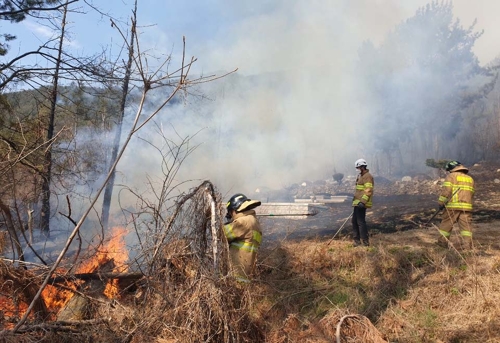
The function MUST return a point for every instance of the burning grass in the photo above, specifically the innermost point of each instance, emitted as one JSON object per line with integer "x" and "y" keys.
{"x": 401, "y": 289}
{"x": 183, "y": 294}
{"x": 17, "y": 289}
{"x": 311, "y": 292}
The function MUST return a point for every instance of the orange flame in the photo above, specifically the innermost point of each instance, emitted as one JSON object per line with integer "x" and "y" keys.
{"x": 118, "y": 252}
{"x": 11, "y": 310}
{"x": 114, "y": 250}
{"x": 55, "y": 298}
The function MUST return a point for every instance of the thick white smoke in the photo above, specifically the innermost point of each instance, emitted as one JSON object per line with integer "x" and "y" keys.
{"x": 292, "y": 111}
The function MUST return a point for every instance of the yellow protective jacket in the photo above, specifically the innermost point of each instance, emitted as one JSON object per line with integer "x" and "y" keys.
{"x": 364, "y": 189}
{"x": 458, "y": 190}
{"x": 244, "y": 236}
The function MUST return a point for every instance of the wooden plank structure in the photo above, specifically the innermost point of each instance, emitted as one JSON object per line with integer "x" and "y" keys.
{"x": 334, "y": 199}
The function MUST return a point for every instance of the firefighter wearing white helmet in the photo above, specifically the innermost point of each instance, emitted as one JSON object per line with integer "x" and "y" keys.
{"x": 360, "y": 163}
{"x": 456, "y": 196}
{"x": 361, "y": 201}
{"x": 243, "y": 234}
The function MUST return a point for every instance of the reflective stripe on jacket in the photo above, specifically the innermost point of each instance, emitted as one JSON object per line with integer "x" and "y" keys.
{"x": 364, "y": 189}
{"x": 244, "y": 236}
{"x": 457, "y": 192}
{"x": 244, "y": 231}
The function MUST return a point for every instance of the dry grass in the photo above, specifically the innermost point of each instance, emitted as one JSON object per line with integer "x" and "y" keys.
{"x": 200, "y": 309}
{"x": 184, "y": 296}
{"x": 410, "y": 289}
{"x": 401, "y": 289}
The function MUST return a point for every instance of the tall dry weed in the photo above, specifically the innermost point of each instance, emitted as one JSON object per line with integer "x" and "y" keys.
{"x": 410, "y": 291}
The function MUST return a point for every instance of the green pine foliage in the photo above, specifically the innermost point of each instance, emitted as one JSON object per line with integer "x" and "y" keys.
{"x": 16, "y": 11}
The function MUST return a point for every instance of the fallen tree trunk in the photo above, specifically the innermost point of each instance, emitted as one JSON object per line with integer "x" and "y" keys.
{"x": 96, "y": 276}
{"x": 79, "y": 306}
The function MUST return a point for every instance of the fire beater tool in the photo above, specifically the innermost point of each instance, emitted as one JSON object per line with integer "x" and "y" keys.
{"x": 336, "y": 233}
{"x": 439, "y": 211}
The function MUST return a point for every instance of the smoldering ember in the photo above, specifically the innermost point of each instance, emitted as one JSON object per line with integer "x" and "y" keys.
{"x": 217, "y": 172}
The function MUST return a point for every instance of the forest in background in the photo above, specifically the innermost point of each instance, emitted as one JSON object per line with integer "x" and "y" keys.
{"x": 432, "y": 98}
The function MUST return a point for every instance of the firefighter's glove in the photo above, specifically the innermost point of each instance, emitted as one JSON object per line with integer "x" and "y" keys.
{"x": 441, "y": 207}
{"x": 361, "y": 205}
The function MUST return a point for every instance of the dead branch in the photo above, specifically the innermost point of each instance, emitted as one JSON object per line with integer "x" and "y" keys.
{"x": 5, "y": 210}
{"x": 211, "y": 194}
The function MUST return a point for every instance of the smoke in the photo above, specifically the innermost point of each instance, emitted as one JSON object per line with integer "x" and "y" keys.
{"x": 290, "y": 113}
{"x": 292, "y": 110}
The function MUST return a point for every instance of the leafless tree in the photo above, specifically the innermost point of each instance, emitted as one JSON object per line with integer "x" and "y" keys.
{"x": 45, "y": 214}
{"x": 108, "y": 192}
{"x": 159, "y": 78}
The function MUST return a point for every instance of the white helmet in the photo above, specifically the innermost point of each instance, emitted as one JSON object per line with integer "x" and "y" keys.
{"x": 360, "y": 163}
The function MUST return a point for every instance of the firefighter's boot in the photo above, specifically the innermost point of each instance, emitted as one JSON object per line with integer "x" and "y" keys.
{"x": 442, "y": 242}
{"x": 466, "y": 240}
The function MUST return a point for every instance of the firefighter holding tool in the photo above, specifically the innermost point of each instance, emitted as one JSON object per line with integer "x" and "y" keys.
{"x": 456, "y": 198}
{"x": 361, "y": 201}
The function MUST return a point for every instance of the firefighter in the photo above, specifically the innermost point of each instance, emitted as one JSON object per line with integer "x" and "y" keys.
{"x": 456, "y": 197}
{"x": 361, "y": 201}
{"x": 243, "y": 234}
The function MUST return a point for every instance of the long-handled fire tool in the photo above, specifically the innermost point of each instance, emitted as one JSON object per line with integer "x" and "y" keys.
{"x": 336, "y": 233}
{"x": 439, "y": 211}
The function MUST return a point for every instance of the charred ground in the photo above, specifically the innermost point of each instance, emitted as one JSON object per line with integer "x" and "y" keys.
{"x": 398, "y": 205}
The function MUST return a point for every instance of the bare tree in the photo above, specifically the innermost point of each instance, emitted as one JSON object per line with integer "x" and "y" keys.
{"x": 60, "y": 68}
{"x": 158, "y": 78}
{"x": 45, "y": 214}
{"x": 108, "y": 192}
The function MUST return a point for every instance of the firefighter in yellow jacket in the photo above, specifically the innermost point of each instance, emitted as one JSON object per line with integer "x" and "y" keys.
{"x": 456, "y": 197}
{"x": 243, "y": 234}
{"x": 361, "y": 201}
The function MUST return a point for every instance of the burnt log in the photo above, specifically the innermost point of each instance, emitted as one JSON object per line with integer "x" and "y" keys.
{"x": 96, "y": 276}
{"x": 79, "y": 307}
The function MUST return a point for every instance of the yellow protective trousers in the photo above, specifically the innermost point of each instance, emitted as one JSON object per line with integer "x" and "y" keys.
{"x": 464, "y": 220}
